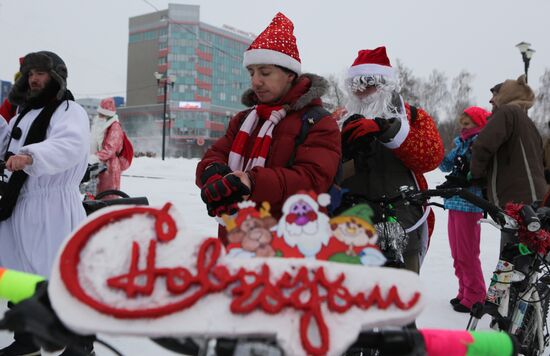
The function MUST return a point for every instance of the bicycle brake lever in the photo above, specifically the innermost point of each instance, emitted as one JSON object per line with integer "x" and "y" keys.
{"x": 509, "y": 224}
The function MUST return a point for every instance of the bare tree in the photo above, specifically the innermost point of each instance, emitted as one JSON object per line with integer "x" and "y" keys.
{"x": 408, "y": 83}
{"x": 434, "y": 95}
{"x": 460, "y": 99}
{"x": 335, "y": 96}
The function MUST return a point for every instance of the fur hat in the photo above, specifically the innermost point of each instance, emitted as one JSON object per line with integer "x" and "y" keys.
{"x": 43, "y": 60}
{"x": 515, "y": 92}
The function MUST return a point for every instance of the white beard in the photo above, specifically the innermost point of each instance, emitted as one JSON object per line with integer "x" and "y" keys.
{"x": 377, "y": 104}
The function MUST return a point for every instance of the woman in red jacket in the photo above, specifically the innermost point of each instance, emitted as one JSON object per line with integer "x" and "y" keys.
{"x": 251, "y": 161}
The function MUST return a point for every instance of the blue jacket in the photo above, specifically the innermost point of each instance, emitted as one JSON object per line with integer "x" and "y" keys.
{"x": 461, "y": 148}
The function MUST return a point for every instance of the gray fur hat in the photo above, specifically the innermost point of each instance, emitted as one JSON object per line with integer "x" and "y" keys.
{"x": 43, "y": 60}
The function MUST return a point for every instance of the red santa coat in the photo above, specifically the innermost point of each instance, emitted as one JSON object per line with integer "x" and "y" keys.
{"x": 316, "y": 159}
{"x": 110, "y": 148}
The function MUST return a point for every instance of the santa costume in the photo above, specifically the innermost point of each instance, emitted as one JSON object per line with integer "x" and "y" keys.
{"x": 404, "y": 145}
{"x": 106, "y": 144}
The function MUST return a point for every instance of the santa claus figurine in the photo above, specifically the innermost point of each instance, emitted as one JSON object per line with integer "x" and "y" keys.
{"x": 304, "y": 228}
{"x": 106, "y": 143}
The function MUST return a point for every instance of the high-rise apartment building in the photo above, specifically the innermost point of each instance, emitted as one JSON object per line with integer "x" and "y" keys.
{"x": 203, "y": 67}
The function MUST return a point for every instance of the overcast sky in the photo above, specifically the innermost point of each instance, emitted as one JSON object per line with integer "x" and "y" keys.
{"x": 475, "y": 35}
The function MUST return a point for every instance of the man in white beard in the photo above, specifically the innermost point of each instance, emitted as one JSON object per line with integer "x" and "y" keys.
{"x": 387, "y": 143}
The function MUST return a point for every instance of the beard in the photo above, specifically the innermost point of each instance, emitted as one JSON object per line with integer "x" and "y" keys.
{"x": 39, "y": 98}
{"x": 381, "y": 103}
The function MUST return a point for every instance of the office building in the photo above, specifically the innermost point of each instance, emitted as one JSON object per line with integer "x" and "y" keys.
{"x": 200, "y": 65}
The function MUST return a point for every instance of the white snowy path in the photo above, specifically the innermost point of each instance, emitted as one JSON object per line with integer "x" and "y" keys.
{"x": 173, "y": 180}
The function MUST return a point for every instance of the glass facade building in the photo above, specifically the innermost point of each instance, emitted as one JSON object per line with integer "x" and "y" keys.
{"x": 203, "y": 66}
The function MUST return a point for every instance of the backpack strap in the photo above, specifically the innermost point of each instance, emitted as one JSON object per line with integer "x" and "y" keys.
{"x": 310, "y": 118}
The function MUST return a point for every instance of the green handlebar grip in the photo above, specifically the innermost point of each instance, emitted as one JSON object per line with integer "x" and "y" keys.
{"x": 16, "y": 286}
{"x": 490, "y": 343}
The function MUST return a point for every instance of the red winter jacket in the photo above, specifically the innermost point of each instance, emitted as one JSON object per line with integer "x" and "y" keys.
{"x": 7, "y": 110}
{"x": 316, "y": 159}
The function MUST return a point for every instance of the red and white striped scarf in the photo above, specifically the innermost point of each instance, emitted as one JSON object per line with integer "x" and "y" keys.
{"x": 260, "y": 149}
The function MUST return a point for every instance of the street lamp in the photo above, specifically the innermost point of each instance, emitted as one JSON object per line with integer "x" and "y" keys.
{"x": 526, "y": 54}
{"x": 165, "y": 79}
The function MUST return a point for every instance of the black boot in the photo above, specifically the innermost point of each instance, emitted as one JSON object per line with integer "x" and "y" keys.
{"x": 86, "y": 349}
{"x": 22, "y": 346}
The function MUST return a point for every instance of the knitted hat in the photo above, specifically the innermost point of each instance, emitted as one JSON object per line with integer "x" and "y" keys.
{"x": 478, "y": 115}
{"x": 275, "y": 45}
{"x": 370, "y": 62}
{"x": 107, "y": 107}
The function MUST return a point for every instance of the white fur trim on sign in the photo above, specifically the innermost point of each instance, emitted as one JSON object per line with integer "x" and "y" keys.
{"x": 268, "y": 56}
{"x": 370, "y": 69}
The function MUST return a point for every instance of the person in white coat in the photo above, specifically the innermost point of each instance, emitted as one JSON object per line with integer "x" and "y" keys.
{"x": 45, "y": 148}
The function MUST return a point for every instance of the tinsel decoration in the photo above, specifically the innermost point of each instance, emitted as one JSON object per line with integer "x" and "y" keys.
{"x": 538, "y": 241}
{"x": 392, "y": 240}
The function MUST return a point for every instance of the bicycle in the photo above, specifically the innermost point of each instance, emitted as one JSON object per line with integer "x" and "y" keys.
{"x": 518, "y": 297}
{"x": 93, "y": 200}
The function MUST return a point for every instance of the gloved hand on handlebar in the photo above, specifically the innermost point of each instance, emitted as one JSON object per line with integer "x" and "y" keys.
{"x": 221, "y": 196}
{"x": 36, "y": 316}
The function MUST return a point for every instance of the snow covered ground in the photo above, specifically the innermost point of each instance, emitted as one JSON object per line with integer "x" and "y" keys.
{"x": 173, "y": 180}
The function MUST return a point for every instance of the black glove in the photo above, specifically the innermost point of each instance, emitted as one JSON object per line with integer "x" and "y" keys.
{"x": 221, "y": 194}
{"x": 358, "y": 133}
{"x": 214, "y": 172}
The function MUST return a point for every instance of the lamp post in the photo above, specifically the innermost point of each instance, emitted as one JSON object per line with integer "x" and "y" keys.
{"x": 526, "y": 54}
{"x": 165, "y": 79}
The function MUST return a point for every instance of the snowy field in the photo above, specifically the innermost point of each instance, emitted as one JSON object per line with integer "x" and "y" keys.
{"x": 173, "y": 180}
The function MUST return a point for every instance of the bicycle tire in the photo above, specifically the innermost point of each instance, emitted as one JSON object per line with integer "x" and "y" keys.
{"x": 104, "y": 193}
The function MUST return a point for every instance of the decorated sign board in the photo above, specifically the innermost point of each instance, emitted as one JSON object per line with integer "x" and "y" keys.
{"x": 140, "y": 271}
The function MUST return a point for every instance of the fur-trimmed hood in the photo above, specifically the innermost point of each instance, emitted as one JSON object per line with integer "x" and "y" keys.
{"x": 515, "y": 92}
{"x": 307, "y": 88}
{"x": 43, "y": 60}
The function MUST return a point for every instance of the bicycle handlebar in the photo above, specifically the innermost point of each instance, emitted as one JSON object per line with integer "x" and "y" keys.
{"x": 16, "y": 286}
{"x": 435, "y": 342}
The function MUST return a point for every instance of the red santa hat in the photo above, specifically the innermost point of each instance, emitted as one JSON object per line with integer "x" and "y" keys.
{"x": 275, "y": 45}
{"x": 371, "y": 62}
{"x": 313, "y": 199}
{"x": 107, "y": 107}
